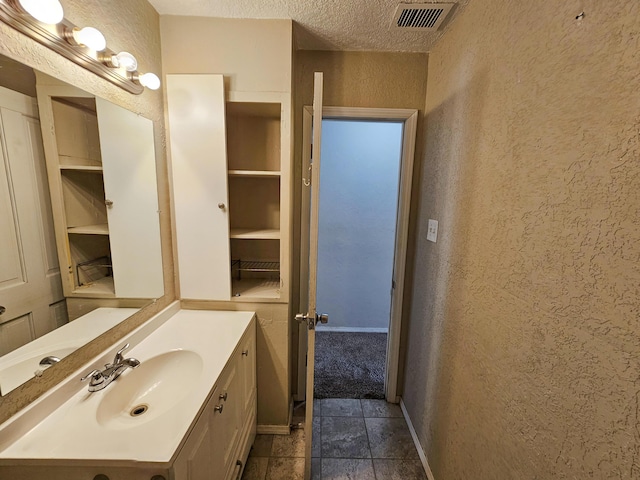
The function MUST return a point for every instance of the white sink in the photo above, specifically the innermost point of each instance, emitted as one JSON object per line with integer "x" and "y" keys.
{"x": 150, "y": 390}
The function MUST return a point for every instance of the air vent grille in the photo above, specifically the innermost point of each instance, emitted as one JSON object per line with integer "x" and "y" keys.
{"x": 420, "y": 16}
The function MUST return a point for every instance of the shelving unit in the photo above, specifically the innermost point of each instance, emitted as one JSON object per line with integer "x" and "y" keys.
{"x": 101, "y": 169}
{"x": 238, "y": 146}
{"x": 79, "y": 157}
{"x": 254, "y": 179}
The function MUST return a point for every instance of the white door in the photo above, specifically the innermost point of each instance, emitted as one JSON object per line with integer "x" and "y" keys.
{"x": 31, "y": 298}
{"x": 197, "y": 132}
{"x": 129, "y": 171}
{"x": 311, "y": 318}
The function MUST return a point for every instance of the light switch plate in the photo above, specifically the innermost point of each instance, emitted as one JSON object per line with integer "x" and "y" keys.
{"x": 432, "y": 231}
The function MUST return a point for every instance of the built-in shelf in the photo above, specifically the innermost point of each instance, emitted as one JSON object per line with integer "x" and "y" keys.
{"x": 255, "y": 288}
{"x": 102, "y": 229}
{"x": 253, "y": 234}
{"x": 102, "y": 287}
{"x": 82, "y": 168}
{"x": 254, "y": 173}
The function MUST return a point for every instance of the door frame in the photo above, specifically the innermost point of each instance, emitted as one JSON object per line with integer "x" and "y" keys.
{"x": 409, "y": 118}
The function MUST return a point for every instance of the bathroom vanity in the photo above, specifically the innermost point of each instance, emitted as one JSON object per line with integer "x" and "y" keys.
{"x": 188, "y": 411}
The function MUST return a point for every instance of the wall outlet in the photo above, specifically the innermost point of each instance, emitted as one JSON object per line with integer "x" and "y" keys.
{"x": 432, "y": 231}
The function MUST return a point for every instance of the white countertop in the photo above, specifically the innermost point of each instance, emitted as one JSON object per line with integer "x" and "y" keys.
{"x": 72, "y": 430}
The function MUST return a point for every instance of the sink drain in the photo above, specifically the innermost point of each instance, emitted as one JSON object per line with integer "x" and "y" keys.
{"x": 138, "y": 410}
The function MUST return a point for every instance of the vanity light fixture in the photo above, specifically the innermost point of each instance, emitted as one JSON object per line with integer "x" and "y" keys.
{"x": 45, "y": 11}
{"x": 124, "y": 60}
{"x": 149, "y": 80}
{"x": 44, "y": 22}
{"x": 89, "y": 37}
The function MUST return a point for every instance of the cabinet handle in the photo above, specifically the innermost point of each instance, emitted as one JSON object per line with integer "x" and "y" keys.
{"x": 239, "y": 464}
{"x": 219, "y": 408}
{"x": 223, "y": 396}
{"x": 245, "y": 353}
{"x": 222, "y": 206}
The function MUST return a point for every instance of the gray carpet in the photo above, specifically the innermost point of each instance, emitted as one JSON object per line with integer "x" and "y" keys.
{"x": 350, "y": 365}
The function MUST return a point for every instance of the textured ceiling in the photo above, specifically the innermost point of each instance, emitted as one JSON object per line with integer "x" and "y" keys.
{"x": 322, "y": 24}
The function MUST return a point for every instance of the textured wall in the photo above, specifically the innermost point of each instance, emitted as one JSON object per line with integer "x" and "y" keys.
{"x": 524, "y": 338}
{"x": 355, "y": 79}
{"x": 131, "y": 25}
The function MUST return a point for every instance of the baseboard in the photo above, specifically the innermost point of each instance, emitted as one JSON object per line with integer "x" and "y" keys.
{"x": 273, "y": 430}
{"x": 414, "y": 435}
{"x": 351, "y": 329}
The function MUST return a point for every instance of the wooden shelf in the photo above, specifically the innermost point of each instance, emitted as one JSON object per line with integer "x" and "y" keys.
{"x": 102, "y": 287}
{"x": 102, "y": 229}
{"x": 82, "y": 168}
{"x": 255, "y": 288}
{"x": 248, "y": 233}
{"x": 254, "y": 173}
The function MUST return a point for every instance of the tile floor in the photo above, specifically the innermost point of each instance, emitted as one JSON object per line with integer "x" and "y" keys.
{"x": 353, "y": 440}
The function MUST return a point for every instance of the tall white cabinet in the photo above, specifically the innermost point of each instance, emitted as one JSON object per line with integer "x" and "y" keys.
{"x": 230, "y": 156}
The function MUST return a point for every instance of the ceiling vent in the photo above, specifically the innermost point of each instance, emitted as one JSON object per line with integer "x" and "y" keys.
{"x": 421, "y": 17}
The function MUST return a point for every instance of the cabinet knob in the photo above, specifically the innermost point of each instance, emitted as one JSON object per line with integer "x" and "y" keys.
{"x": 222, "y": 206}
{"x": 245, "y": 353}
{"x": 108, "y": 203}
{"x": 223, "y": 396}
{"x": 219, "y": 408}
{"x": 2, "y": 309}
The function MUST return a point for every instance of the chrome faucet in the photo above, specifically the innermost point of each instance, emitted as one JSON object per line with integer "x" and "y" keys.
{"x": 101, "y": 378}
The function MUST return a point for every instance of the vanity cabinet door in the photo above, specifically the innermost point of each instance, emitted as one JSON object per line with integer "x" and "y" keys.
{"x": 225, "y": 425}
{"x": 247, "y": 364}
{"x": 208, "y": 453}
{"x": 196, "y": 460}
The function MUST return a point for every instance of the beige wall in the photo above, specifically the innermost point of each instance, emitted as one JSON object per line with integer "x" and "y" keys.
{"x": 352, "y": 79}
{"x": 524, "y": 333}
{"x": 254, "y": 56}
{"x": 137, "y": 31}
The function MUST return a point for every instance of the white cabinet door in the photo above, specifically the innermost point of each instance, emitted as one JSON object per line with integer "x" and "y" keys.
{"x": 248, "y": 370}
{"x": 129, "y": 170}
{"x": 197, "y": 131}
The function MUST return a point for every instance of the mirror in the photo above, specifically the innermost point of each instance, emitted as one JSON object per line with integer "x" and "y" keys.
{"x": 80, "y": 238}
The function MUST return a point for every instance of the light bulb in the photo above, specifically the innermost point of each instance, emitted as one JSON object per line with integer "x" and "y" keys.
{"x": 125, "y": 60}
{"x": 45, "y": 11}
{"x": 90, "y": 37}
{"x": 149, "y": 80}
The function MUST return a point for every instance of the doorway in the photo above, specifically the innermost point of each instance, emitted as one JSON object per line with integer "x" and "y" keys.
{"x": 356, "y": 235}
{"x": 389, "y": 326}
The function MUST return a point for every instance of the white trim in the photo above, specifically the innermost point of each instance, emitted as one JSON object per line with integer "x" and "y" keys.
{"x": 414, "y": 435}
{"x": 273, "y": 430}
{"x": 352, "y": 329}
{"x": 409, "y": 117}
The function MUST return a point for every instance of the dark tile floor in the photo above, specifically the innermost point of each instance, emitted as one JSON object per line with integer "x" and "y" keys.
{"x": 352, "y": 440}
